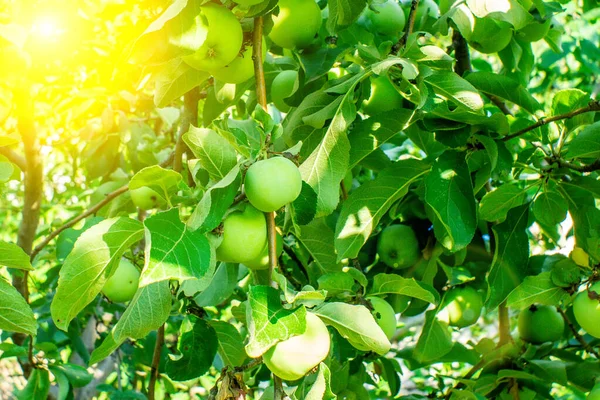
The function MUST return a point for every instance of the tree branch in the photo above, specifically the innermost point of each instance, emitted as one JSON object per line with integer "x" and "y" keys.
{"x": 160, "y": 341}
{"x": 595, "y": 166}
{"x": 408, "y": 30}
{"x": 14, "y": 158}
{"x": 189, "y": 116}
{"x": 586, "y": 346}
{"x": 504, "y": 325}
{"x": 592, "y": 106}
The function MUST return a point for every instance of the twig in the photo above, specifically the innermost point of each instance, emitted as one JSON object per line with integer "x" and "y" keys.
{"x": 595, "y": 166}
{"x": 189, "y": 116}
{"x": 278, "y": 388}
{"x": 592, "y": 106}
{"x": 344, "y": 190}
{"x": 255, "y": 362}
{"x": 461, "y": 53}
{"x": 14, "y": 158}
{"x": 468, "y": 375}
{"x": 259, "y": 73}
{"x": 410, "y": 24}
{"x": 160, "y": 340}
{"x": 500, "y": 104}
{"x": 504, "y": 325}
{"x": 586, "y": 346}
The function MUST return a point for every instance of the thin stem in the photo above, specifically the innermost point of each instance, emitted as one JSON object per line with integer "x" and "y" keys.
{"x": 504, "y": 325}
{"x": 595, "y": 166}
{"x": 344, "y": 190}
{"x": 259, "y": 73}
{"x": 480, "y": 364}
{"x": 14, "y": 158}
{"x": 160, "y": 341}
{"x": 586, "y": 346}
{"x": 592, "y": 106}
{"x": 461, "y": 53}
{"x": 189, "y": 116}
{"x": 278, "y": 386}
{"x": 410, "y": 24}
{"x": 272, "y": 238}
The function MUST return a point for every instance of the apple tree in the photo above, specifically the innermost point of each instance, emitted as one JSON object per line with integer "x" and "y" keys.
{"x": 300, "y": 199}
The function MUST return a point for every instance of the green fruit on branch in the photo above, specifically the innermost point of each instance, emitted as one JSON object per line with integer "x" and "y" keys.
{"x": 296, "y": 24}
{"x": 240, "y": 69}
{"x": 462, "y": 308}
{"x": 384, "y": 315}
{"x": 294, "y": 358}
{"x": 244, "y": 236}
{"x": 262, "y": 261}
{"x": 540, "y": 324}
{"x": 398, "y": 247}
{"x": 534, "y": 31}
{"x": 272, "y": 183}
{"x": 282, "y": 87}
{"x": 123, "y": 284}
{"x": 386, "y": 18}
{"x": 490, "y": 36}
{"x": 223, "y": 41}
{"x": 587, "y": 310}
{"x": 146, "y": 198}
{"x": 384, "y": 96}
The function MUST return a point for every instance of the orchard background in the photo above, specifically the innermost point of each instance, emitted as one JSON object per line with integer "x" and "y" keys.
{"x": 440, "y": 237}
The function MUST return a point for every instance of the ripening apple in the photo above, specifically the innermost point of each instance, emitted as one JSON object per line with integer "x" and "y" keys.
{"x": 146, "y": 198}
{"x": 490, "y": 36}
{"x": 534, "y": 31}
{"x": 540, "y": 324}
{"x": 282, "y": 87}
{"x": 463, "y": 307}
{"x": 587, "y": 310}
{"x": 426, "y": 16}
{"x": 384, "y": 96}
{"x": 384, "y": 315}
{"x": 123, "y": 284}
{"x": 295, "y": 357}
{"x": 386, "y": 18}
{"x": 223, "y": 41}
{"x": 296, "y": 24}
{"x": 244, "y": 236}
{"x": 398, "y": 246}
{"x": 240, "y": 69}
{"x": 594, "y": 393}
{"x": 262, "y": 261}
{"x": 272, "y": 183}
{"x": 580, "y": 257}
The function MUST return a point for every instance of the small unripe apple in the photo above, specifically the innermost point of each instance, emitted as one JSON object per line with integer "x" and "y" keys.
{"x": 146, "y": 198}
{"x": 272, "y": 183}
{"x": 262, "y": 261}
{"x": 123, "y": 284}
{"x": 282, "y": 87}
{"x": 384, "y": 96}
{"x": 386, "y": 18}
{"x": 296, "y": 24}
{"x": 241, "y": 68}
{"x": 587, "y": 310}
{"x": 398, "y": 247}
{"x": 534, "y": 31}
{"x": 540, "y": 324}
{"x": 244, "y": 236}
{"x": 463, "y": 307}
{"x": 490, "y": 36}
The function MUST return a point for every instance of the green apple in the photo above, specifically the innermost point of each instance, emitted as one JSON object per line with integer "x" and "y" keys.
{"x": 540, "y": 324}
{"x": 146, "y": 198}
{"x": 223, "y": 41}
{"x": 386, "y": 18}
{"x": 296, "y": 24}
{"x": 262, "y": 261}
{"x": 384, "y": 96}
{"x": 534, "y": 31}
{"x": 294, "y": 358}
{"x": 580, "y": 257}
{"x": 244, "y": 236}
{"x": 490, "y": 36}
{"x": 462, "y": 308}
{"x": 587, "y": 311}
{"x": 426, "y": 16}
{"x": 384, "y": 315}
{"x": 240, "y": 69}
{"x": 272, "y": 183}
{"x": 123, "y": 284}
{"x": 398, "y": 247}
{"x": 283, "y": 87}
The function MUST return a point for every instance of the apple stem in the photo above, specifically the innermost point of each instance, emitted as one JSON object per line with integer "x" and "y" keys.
{"x": 504, "y": 325}
{"x": 412, "y": 15}
{"x": 160, "y": 340}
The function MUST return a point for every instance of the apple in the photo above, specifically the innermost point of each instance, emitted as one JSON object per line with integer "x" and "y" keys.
{"x": 283, "y": 87}
{"x": 296, "y": 24}
{"x": 539, "y": 324}
{"x": 240, "y": 69}
{"x": 295, "y": 357}
{"x": 123, "y": 284}
{"x": 244, "y": 236}
{"x": 580, "y": 257}
{"x": 462, "y": 307}
{"x": 384, "y": 315}
{"x": 490, "y": 36}
{"x": 262, "y": 261}
{"x": 594, "y": 393}
{"x": 223, "y": 41}
{"x": 386, "y": 18}
{"x": 534, "y": 31}
{"x": 427, "y": 14}
{"x": 398, "y": 247}
{"x": 587, "y": 310}
{"x": 272, "y": 183}
{"x": 146, "y": 198}
{"x": 384, "y": 96}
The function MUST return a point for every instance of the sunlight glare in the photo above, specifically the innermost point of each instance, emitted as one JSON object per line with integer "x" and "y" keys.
{"x": 47, "y": 28}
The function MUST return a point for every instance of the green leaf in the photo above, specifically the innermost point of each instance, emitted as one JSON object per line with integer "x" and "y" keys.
{"x": 77, "y": 375}
{"x": 456, "y": 89}
{"x": 161, "y": 180}
{"x": 269, "y": 322}
{"x": 318, "y": 238}
{"x": 85, "y": 272}
{"x": 356, "y": 323}
{"x": 587, "y": 143}
{"x": 495, "y": 205}
{"x": 343, "y": 13}
{"x": 363, "y": 209}
{"x": 304, "y": 208}
{"x": 336, "y": 283}
{"x": 549, "y": 370}
{"x": 38, "y": 386}
{"x": 7, "y": 170}
{"x": 537, "y": 289}
{"x": 173, "y": 251}
{"x": 12, "y": 256}
{"x": 231, "y": 343}
{"x": 550, "y": 208}
{"x": 316, "y": 386}
{"x": 567, "y": 100}
{"x": 587, "y": 230}
{"x": 510, "y": 256}
{"x": 174, "y": 80}
{"x": 215, "y": 153}
{"x": 15, "y": 313}
{"x": 505, "y": 88}
{"x": 67, "y": 238}
{"x": 396, "y": 284}
{"x": 435, "y": 340}
{"x": 197, "y": 346}
{"x": 221, "y": 286}
{"x": 449, "y": 192}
